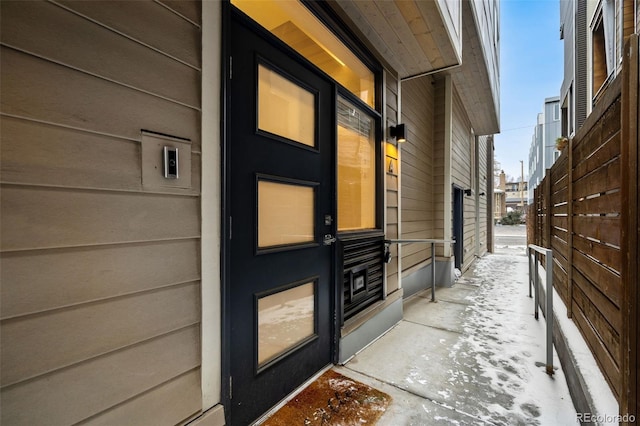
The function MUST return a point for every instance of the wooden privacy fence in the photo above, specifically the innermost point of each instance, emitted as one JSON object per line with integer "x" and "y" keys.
{"x": 586, "y": 210}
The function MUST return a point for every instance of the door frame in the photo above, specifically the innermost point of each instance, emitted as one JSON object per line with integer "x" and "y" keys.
{"x": 458, "y": 225}
{"x": 329, "y": 17}
{"x": 225, "y": 173}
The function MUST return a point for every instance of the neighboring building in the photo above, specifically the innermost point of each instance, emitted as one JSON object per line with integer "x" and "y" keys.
{"x": 593, "y": 32}
{"x": 543, "y": 152}
{"x": 509, "y": 196}
{"x": 180, "y": 179}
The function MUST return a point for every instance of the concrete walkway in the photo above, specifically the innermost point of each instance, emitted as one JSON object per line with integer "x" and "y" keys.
{"x": 475, "y": 357}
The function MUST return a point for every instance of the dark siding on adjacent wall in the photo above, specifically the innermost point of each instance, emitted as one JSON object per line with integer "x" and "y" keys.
{"x": 100, "y": 314}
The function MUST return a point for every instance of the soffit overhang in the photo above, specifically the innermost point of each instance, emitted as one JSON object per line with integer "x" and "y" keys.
{"x": 412, "y": 37}
{"x": 477, "y": 80}
{"x": 418, "y": 37}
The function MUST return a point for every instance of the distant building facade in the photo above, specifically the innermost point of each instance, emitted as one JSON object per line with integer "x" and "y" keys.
{"x": 509, "y": 196}
{"x": 543, "y": 152}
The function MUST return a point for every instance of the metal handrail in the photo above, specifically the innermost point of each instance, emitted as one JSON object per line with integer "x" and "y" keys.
{"x": 433, "y": 256}
{"x": 534, "y": 279}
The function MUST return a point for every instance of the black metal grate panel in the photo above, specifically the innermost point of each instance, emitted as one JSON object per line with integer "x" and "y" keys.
{"x": 363, "y": 270}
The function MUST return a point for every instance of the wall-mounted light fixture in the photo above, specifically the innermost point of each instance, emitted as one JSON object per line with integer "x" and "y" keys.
{"x": 482, "y": 194}
{"x": 468, "y": 192}
{"x": 399, "y": 132}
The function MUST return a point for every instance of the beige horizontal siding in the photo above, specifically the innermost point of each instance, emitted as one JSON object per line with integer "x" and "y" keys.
{"x": 463, "y": 172}
{"x": 37, "y": 344}
{"x": 100, "y": 306}
{"x": 36, "y": 88}
{"x": 439, "y": 164}
{"x": 35, "y": 217}
{"x": 392, "y": 185}
{"x": 51, "y": 31}
{"x": 162, "y": 405}
{"x": 146, "y": 22}
{"x": 417, "y": 169}
{"x": 31, "y": 155}
{"x": 75, "y": 393}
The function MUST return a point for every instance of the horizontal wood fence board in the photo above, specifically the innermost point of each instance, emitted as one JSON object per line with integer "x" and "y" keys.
{"x": 604, "y": 179}
{"x": 560, "y": 246}
{"x": 57, "y": 34}
{"x": 608, "y": 282}
{"x": 42, "y": 218}
{"x": 606, "y": 307}
{"x": 559, "y": 222}
{"x": 604, "y": 153}
{"x": 607, "y": 255}
{"x": 559, "y": 171}
{"x": 605, "y": 332}
{"x": 101, "y": 383}
{"x": 603, "y": 229}
{"x": 38, "y": 344}
{"x": 603, "y": 358}
{"x": 38, "y": 89}
{"x": 608, "y": 203}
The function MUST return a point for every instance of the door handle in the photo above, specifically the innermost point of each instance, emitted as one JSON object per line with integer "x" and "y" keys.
{"x": 328, "y": 239}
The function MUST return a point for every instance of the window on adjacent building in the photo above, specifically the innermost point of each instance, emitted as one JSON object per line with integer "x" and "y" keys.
{"x": 602, "y": 45}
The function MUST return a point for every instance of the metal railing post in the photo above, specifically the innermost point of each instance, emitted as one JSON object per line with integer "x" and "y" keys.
{"x": 530, "y": 277}
{"x": 549, "y": 312}
{"x": 433, "y": 257}
{"x": 537, "y": 251}
{"x": 535, "y": 284}
{"x": 433, "y": 271}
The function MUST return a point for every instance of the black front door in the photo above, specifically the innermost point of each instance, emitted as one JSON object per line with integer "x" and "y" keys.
{"x": 280, "y": 195}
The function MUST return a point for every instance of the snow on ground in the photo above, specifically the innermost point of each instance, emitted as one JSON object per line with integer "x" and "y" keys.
{"x": 507, "y": 346}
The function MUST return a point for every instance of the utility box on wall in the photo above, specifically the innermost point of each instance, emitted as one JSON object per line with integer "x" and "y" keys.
{"x": 166, "y": 162}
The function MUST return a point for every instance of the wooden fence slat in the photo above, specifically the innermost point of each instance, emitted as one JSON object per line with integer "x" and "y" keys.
{"x": 603, "y": 229}
{"x": 606, "y": 178}
{"x": 602, "y": 204}
{"x": 604, "y": 153}
{"x": 630, "y": 154}
{"x": 608, "y": 255}
{"x": 608, "y": 282}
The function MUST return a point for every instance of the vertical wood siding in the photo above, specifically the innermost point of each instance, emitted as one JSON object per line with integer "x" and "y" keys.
{"x": 100, "y": 307}
{"x": 417, "y": 169}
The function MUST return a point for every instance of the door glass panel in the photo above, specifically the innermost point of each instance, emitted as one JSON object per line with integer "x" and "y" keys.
{"x": 285, "y": 213}
{"x": 356, "y": 168}
{"x": 285, "y": 320}
{"x": 284, "y": 108}
{"x": 294, "y": 24}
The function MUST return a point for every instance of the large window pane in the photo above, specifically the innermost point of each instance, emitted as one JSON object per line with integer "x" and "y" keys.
{"x": 356, "y": 169}
{"x": 285, "y": 214}
{"x": 295, "y": 25}
{"x": 284, "y": 108}
{"x": 285, "y": 320}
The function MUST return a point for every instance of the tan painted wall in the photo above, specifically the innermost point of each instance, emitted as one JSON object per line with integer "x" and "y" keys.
{"x": 100, "y": 315}
{"x": 392, "y": 180}
{"x": 417, "y": 169}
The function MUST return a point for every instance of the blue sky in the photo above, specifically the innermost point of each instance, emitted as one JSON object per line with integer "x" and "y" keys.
{"x": 531, "y": 55}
